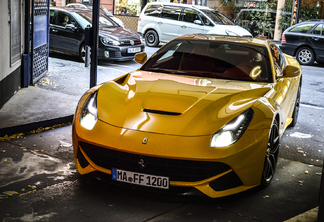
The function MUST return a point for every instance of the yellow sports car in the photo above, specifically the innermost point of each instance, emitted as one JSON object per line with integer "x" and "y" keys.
{"x": 204, "y": 113}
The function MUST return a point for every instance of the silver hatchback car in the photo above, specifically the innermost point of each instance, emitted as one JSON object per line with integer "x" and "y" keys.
{"x": 162, "y": 22}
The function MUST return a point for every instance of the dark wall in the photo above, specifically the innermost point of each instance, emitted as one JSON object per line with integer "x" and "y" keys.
{"x": 9, "y": 85}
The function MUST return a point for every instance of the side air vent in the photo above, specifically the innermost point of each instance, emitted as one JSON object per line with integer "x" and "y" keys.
{"x": 162, "y": 112}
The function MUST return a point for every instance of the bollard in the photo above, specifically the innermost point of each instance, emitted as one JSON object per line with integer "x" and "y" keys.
{"x": 320, "y": 215}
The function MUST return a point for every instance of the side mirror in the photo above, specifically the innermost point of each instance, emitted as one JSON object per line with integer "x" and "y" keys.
{"x": 140, "y": 57}
{"x": 290, "y": 72}
{"x": 198, "y": 22}
{"x": 70, "y": 27}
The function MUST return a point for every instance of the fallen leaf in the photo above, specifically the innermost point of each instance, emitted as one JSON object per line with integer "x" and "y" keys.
{"x": 265, "y": 197}
{"x": 65, "y": 144}
{"x": 306, "y": 171}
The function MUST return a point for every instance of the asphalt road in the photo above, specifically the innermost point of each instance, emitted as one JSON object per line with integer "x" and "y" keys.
{"x": 39, "y": 182}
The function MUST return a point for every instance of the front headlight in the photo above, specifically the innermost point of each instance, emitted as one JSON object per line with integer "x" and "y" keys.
{"x": 232, "y": 131}
{"x": 109, "y": 41}
{"x": 89, "y": 113}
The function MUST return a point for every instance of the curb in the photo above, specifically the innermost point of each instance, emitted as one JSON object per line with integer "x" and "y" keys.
{"x": 33, "y": 126}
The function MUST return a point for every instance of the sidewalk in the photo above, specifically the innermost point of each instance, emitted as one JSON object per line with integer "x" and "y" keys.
{"x": 33, "y": 107}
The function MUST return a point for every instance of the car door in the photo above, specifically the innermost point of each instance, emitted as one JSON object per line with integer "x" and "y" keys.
{"x": 169, "y": 22}
{"x": 65, "y": 34}
{"x": 283, "y": 86}
{"x": 317, "y": 39}
{"x": 191, "y": 22}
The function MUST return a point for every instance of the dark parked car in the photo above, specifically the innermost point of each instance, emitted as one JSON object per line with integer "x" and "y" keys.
{"x": 67, "y": 35}
{"x": 305, "y": 40}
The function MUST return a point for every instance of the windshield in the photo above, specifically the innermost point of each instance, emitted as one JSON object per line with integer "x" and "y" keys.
{"x": 212, "y": 59}
{"x": 217, "y": 17}
{"x": 85, "y": 19}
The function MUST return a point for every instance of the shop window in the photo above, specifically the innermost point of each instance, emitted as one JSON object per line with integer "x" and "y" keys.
{"x": 127, "y": 7}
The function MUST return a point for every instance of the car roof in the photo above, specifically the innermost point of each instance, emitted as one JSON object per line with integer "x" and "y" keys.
{"x": 178, "y": 4}
{"x": 315, "y": 20}
{"x": 311, "y": 21}
{"x": 226, "y": 38}
{"x": 70, "y": 9}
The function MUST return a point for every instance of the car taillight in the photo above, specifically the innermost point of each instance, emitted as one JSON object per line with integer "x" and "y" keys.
{"x": 139, "y": 19}
{"x": 283, "y": 39}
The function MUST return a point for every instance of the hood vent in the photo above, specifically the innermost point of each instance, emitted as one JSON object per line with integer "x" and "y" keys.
{"x": 162, "y": 112}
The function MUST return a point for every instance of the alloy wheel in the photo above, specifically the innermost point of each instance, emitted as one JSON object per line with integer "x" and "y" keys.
{"x": 271, "y": 158}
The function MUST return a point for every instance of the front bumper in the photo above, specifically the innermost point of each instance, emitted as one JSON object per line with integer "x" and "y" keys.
{"x": 118, "y": 53}
{"x": 189, "y": 162}
{"x": 288, "y": 49}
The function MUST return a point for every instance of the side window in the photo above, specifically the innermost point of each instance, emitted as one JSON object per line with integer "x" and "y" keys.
{"x": 153, "y": 10}
{"x": 190, "y": 15}
{"x": 317, "y": 30}
{"x": 205, "y": 20}
{"x": 171, "y": 12}
{"x": 278, "y": 59}
{"x": 304, "y": 28}
{"x": 63, "y": 19}
{"x": 52, "y": 21}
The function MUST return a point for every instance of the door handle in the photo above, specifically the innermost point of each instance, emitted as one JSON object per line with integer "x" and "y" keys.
{"x": 159, "y": 23}
{"x": 183, "y": 26}
{"x": 315, "y": 38}
{"x": 54, "y": 30}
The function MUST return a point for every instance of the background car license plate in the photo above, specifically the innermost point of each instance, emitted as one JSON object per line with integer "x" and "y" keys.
{"x": 133, "y": 50}
{"x": 140, "y": 179}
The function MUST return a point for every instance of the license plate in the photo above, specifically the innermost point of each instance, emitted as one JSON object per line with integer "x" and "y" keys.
{"x": 140, "y": 179}
{"x": 134, "y": 50}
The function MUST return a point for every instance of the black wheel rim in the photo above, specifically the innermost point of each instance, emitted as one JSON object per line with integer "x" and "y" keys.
{"x": 271, "y": 155}
{"x": 297, "y": 103}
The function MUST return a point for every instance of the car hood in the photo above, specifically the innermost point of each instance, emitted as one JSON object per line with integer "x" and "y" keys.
{"x": 117, "y": 33}
{"x": 173, "y": 104}
{"x": 230, "y": 30}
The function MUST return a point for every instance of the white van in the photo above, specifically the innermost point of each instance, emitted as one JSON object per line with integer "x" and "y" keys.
{"x": 162, "y": 22}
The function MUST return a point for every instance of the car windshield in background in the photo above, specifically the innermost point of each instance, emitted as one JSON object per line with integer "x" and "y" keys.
{"x": 224, "y": 60}
{"x": 85, "y": 19}
{"x": 217, "y": 17}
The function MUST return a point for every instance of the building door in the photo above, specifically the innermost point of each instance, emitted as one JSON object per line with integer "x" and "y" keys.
{"x": 39, "y": 39}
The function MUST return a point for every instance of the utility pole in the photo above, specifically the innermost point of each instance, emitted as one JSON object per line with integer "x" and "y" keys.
{"x": 94, "y": 45}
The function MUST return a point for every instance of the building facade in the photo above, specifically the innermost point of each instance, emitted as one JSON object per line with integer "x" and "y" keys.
{"x": 11, "y": 47}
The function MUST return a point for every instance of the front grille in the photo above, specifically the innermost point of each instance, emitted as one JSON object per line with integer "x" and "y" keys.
{"x": 176, "y": 170}
{"x": 136, "y": 42}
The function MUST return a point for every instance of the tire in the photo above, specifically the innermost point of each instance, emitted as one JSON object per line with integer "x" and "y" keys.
{"x": 305, "y": 56}
{"x": 82, "y": 52}
{"x": 151, "y": 38}
{"x": 296, "y": 109}
{"x": 271, "y": 156}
